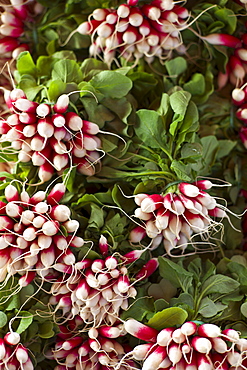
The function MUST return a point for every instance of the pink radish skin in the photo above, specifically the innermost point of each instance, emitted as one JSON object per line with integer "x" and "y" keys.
{"x": 140, "y": 352}
{"x": 219, "y": 345}
{"x": 238, "y": 96}
{"x": 201, "y": 345}
{"x": 123, "y": 284}
{"x": 154, "y": 360}
{"x": 222, "y": 39}
{"x": 203, "y": 363}
{"x": 45, "y": 172}
{"x": 11, "y": 193}
{"x": 231, "y": 335}
{"x": 2, "y": 349}
{"x": 100, "y": 14}
{"x": 73, "y": 121}
{"x": 25, "y": 105}
{"x": 241, "y": 54}
{"x": 178, "y": 336}
{"x": 27, "y": 118}
{"x": 86, "y": 28}
{"x": 174, "y": 353}
{"x": 11, "y": 19}
{"x": 151, "y": 203}
{"x": 139, "y": 198}
{"x": 11, "y": 31}
{"x": 140, "y": 330}
{"x": 62, "y": 104}
{"x": 7, "y": 44}
{"x": 137, "y": 234}
{"x": 123, "y": 11}
{"x": 135, "y": 17}
{"x": 188, "y": 189}
{"x": 151, "y": 12}
{"x": 111, "y": 263}
{"x": 6, "y": 223}
{"x": 188, "y": 328}
{"x": 20, "y": 9}
{"x": 97, "y": 265}
{"x": 148, "y": 269}
{"x": 109, "y": 332}
{"x": 237, "y": 68}
{"x": 132, "y": 256}
{"x": 103, "y": 246}
{"x": 70, "y": 344}
{"x": 12, "y": 338}
{"x": 21, "y": 354}
{"x": 165, "y": 336}
{"x": 219, "y": 361}
{"x": 90, "y": 128}
{"x": 27, "y": 278}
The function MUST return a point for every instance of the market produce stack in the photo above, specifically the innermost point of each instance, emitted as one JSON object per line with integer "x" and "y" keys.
{"x": 123, "y": 185}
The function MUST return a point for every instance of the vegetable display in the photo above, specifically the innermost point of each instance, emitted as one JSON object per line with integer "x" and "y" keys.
{"x": 123, "y": 192}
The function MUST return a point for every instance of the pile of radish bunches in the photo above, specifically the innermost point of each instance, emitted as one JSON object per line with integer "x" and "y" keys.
{"x": 33, "y": 232}
{"x": 190, "y": 346}
{"x": 49, "y": 136}
{"x": 13, "y": 355}
{"x": 132, "y": 32}
{"x": 98, "y": 350}
{"x": 177, "y": 216}
{"x": 14, "y": 18}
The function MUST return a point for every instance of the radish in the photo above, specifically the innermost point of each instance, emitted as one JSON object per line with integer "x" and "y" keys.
{"x": 151, "y": 12}
{"x": 100, "y": 14}
{"x": 140, "y": 330}
{"x": 222, "y": 39}
{"x": 109, "y": 332}
{"x": 12, "y": 338}
{"x": 62, "y": 104}
{"x": 154, "y": 360}
{"x": 103, "y": 246}
{"x": 165, "y": 336}
{"x": 11, "y": 19}
{"x": 2, "y": 349}
{"x": 148, "y": 269}
{"x": 178, "y": 336}
{"x": 230, "y": 334}
{"x": 21, "y": 354}
{"x": 141, "y": 351}
{"x": 135, "y": 17}
{"x": 188, "y": 190}
{"x": 219, "y": 345}
{"x": 174, "y": 353}
{"x": 151, "y": 203}
{"x": 237, "y": 68}
{"x": 203, "y": 362}
{"x": 201, "y": 345}
{"x": 123, "y": 11}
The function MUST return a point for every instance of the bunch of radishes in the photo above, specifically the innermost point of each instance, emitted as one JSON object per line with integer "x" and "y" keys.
{"x": 49, "y": 136}
{"x": 96, "y": 290}
{"x": 191, "y": 346}
{"x": 177, "y": 215}
{"x": 133, "y": 32}
{"x": 13, "y": 355}
{"x": 37, "y": 234}
{"x": 13, "y": 21}
{"x": 99, "y": 350}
